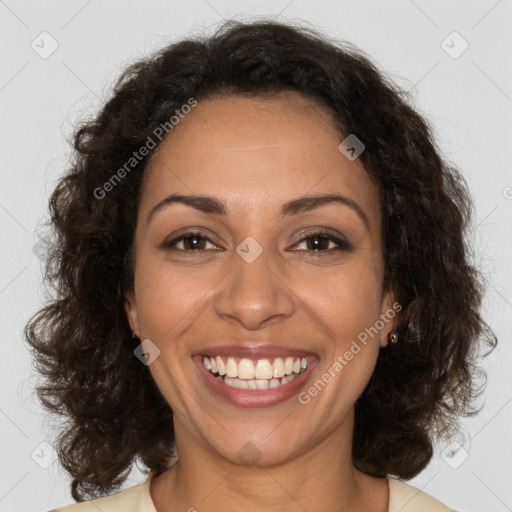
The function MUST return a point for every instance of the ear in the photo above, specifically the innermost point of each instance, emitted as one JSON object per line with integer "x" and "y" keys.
{"x": 390, "y": 316}
{"x": 130, "y": 306}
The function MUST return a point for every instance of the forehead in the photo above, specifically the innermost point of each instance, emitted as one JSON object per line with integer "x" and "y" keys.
{"x": 257, "y": 152}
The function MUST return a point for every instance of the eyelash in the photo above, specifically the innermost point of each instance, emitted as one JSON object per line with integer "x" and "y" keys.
{"x": 342, "y": 244}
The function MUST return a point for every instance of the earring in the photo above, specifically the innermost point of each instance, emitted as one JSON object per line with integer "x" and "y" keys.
{"x": 134, "y": 336}
{"x": 393, "y": 336}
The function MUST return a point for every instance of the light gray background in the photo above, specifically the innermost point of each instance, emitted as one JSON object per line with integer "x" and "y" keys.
{"x": 468, "y": 99}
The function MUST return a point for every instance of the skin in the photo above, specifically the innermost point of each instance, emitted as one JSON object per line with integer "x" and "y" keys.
{"x": 256, "y": 154}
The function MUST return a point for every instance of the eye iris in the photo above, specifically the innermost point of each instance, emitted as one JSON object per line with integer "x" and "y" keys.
{"x": 192, "y": 242}
{"x": 315, "y": 243}
{"x": 318, "y": 242}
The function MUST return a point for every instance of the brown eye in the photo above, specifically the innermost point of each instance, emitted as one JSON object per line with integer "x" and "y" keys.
{"x": 324, "y": 242}
{"x": 191, "y": 241}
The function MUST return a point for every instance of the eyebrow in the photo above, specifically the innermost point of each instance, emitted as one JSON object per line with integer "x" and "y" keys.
{"x": 213, "y": 206}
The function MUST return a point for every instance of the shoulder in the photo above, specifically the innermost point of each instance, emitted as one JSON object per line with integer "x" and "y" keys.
{"x": 133, "y": 499}
{"x": 406, "y": 498}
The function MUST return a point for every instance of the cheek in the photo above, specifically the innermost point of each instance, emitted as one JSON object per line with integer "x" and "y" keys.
{"x": 344, "y": 299}
{"x": 169, "y": 301}
{"x": 348, "y": 309}
{"x": 167, "y": 296}
{"x": 347, "y": 301}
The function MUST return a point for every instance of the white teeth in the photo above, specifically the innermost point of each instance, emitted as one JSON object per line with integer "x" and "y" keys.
{"x": 231, "y": 368}
{"x": 230, "y": 381}
{"x": 288, "y": 365}
{"x": 246, "y": 369}
{"x": 263, "y": 369}
{"x": 259, "y": 374}
{"x": 252, "y": 384}
{"x": 262, "y": 383}
{"x": 221, "y": 367}
{"x": 242, "y": 384}
{"x": 278, "y": 368}
{"x": 256, "y": 384}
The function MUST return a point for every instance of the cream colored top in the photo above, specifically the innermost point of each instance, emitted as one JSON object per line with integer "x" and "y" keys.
{"x": 402, "y": 498}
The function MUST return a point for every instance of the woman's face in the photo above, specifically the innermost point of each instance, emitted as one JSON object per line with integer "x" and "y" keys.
{"x": 255, "y": 287}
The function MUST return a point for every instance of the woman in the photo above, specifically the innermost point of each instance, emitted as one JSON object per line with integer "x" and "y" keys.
{"x": 264, "y": 291}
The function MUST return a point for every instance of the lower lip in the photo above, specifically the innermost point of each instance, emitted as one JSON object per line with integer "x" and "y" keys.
{"x": 255, "y": 397}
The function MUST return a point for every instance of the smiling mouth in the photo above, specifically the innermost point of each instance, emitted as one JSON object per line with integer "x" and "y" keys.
{"x": 255, "y": 374}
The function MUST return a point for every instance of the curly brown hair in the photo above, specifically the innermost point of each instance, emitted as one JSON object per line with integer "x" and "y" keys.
{"x": 82, "y": 343}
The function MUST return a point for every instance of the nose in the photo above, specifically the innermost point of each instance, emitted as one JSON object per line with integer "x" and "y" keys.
{"x": 254, "y": 294}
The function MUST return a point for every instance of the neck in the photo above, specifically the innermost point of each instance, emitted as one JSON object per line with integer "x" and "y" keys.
{"x": 322, "y": 478}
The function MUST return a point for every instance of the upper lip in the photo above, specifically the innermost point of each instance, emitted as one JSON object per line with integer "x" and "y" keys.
{"x": 254, "y": 350}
